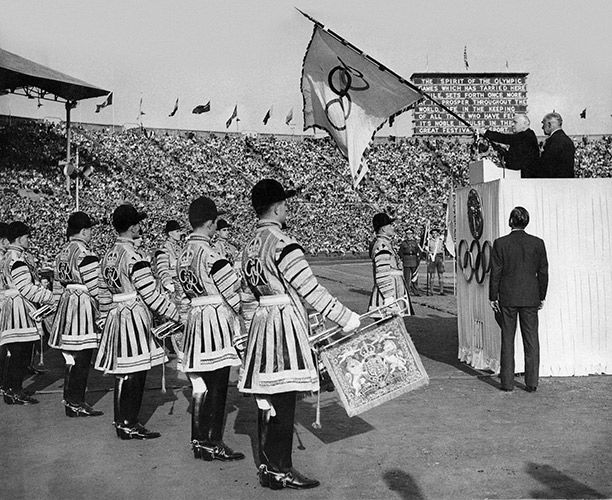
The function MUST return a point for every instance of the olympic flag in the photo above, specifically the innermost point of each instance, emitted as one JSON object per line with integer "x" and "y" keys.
{"x": 350, "y": 95}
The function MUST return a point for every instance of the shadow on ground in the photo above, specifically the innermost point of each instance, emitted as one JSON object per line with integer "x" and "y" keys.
{"x": 435, "y": 338}
{"x": 403, "y": 484}
{"x": 336, "y": 424}
{"x": 558, "y": 484}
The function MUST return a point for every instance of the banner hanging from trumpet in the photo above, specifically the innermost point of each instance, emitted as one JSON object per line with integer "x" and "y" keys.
{"x": 373, "y": 365}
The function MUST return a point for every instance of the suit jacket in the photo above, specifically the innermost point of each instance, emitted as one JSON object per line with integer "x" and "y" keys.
{"x": 557, "y": 159}
{"x": 519, "y": 270}
{"x": 524, "y": 152}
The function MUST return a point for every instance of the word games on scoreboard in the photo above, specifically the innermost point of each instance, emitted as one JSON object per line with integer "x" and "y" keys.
{"x": 487, "y": 100}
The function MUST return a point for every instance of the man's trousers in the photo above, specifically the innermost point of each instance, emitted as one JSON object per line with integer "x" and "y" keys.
{"x": 528, "y": 319}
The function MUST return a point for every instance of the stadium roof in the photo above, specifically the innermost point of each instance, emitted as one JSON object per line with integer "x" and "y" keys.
{"x": 17, "y": 72}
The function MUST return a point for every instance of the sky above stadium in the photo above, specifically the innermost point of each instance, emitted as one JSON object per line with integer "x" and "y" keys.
{"x": 249, "y": 53}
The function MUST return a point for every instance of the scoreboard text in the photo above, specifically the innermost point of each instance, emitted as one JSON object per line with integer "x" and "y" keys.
{"x": 487, "y": 100}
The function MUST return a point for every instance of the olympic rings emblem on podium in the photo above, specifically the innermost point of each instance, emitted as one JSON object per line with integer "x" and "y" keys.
{"x": 474, "y": 259}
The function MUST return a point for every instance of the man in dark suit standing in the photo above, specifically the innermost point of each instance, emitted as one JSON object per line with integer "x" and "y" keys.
{"x": 557, "y": 158}
{"x": 524, "y": 152}
{"x": 517, "y": 287}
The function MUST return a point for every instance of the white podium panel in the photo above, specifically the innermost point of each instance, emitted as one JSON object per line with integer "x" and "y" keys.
{"x": 486, "y": 171}
{"x": 574, "y": 218}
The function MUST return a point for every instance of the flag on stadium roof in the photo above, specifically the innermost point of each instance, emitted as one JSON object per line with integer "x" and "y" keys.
{"x": 107, "y": 102}
{"x": 465, "y": 59}
{"x": 175, "y": 108}
{"x": 201, "y": 108}
{"x": 140, "y": 112}
{"x": 231, "y": 118}
{"x": 349, "y": 94}
{"x": 267, "y": 117}
{"x": 583, "y": 114}
{"x": 289, "y": 117}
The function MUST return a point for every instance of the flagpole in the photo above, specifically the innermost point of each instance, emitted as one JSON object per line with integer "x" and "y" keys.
{"x": 453, "y": 214}
{"x": 454, "y": 226}
{"x": 77, "y": 178}
{"x": 455, "y": 276}
{"x": 382, "y": 67}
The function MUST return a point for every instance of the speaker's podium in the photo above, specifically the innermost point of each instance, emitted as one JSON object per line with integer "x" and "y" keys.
{"x": 574, "y": 218}
{"x": 486, "y": 171}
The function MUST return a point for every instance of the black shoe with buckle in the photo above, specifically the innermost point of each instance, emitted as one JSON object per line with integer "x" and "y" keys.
{"x": 290, "y": 479}
{"x": 18, "y": 398}
{"x": 81, "y": 410}
{"x": 210, "y": 452}
{"x": 137, "y": 431}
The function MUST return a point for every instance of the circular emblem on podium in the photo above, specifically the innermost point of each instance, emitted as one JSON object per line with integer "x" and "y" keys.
{"x": 474, "y": 209}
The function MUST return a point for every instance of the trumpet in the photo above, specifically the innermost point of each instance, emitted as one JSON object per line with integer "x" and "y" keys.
{"x": 240, "y": 342}
{"x": 325, "y": 338}
{"x": 322, "y": 334}
{"x": 42, "y": 312}
{"x": 167, "y": 329}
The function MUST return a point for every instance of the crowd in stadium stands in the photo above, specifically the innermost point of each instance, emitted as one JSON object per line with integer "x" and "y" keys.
{"x": 161, "y": 174}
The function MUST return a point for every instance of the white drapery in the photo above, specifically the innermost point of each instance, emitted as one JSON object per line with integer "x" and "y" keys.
{"x": 574, "y": 218}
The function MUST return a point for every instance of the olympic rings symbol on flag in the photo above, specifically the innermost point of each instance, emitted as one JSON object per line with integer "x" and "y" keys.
{"x": 474, "y": 260}
{"x": 341, "y": 79}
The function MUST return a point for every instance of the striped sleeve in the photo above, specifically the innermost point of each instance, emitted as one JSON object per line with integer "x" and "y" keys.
{"x": 20, "y": 274}
{"x": 105, "y": 298}
{"x": 58, "y": 289}
{"x": 162, "y": 262}
{"x": 294, "y": 268}
{"x": 227, "y": 283}
{"x": 382, "y": 272}
{"x": 144, "y": 282}
{"x": 89, "y": 267}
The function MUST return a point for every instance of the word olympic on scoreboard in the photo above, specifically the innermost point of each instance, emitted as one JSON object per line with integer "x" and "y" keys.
{"x": 487, "y": 100}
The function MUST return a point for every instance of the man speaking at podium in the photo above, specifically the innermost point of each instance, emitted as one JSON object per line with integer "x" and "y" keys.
{"x": 523, "y": 153}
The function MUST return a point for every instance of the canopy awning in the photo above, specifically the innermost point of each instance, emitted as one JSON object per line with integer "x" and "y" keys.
{"x": 17, "y": 72}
